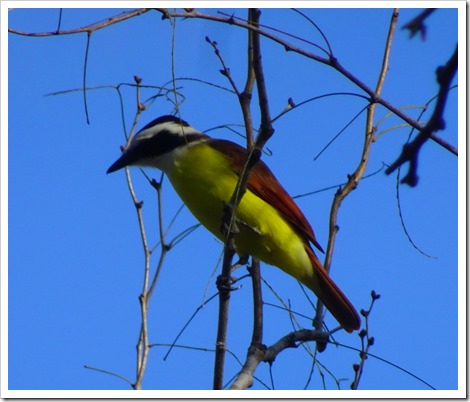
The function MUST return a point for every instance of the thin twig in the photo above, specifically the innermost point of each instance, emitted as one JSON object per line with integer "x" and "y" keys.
{"x": 142, "y": 343}
{"x": 330, "y": 61}
{"x": 191, "y": 13}
{"x": 164, "y": 247}
{"x": 367, "y": 342}
{"x": 85, "y": 64}
{"x": 89, "y": 28}
{"x": 59, "y": 23}
{"x": 224, "y": 279}
{"x": 397, "y": 187}
{"x": 198, "y": 309}
{"x": 356, "y": 176}
{"x": 110, "y": 373}
{"x": 225, "y": 70}
{"x": 271, "y": 28}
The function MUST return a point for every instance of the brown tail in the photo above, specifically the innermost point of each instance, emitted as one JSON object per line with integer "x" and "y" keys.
{"x": 332, "y": 297}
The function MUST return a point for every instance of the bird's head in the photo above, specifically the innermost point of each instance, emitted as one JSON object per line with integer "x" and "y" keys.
{"x": 155, "y": 144}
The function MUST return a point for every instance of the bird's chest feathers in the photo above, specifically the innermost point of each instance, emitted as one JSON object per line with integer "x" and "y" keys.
{"x": 205, "y": 182}
{"x": 203, "y": 179}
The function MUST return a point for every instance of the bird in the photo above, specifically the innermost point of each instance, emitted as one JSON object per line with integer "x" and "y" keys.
{"x": 204, "y": 172}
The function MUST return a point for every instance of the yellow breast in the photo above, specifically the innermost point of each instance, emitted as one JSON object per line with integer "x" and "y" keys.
{"x": 205, "y": 182}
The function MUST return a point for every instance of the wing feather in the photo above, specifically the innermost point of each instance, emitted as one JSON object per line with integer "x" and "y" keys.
{"x": 264, "y": 184}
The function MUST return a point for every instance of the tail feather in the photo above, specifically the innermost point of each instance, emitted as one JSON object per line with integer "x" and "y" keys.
{"x": 331, "y": 296}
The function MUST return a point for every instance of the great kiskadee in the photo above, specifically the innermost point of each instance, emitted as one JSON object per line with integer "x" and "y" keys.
{"x": 204, "y": 172}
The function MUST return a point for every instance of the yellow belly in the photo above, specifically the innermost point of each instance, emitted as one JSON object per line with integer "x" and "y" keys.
{"x": 204, "y": 181}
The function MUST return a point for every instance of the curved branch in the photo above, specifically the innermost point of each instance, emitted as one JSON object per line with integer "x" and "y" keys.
{"x": 445, "y": 75}
{"x": 356, "y": 176}
{"x": 255, "y": 355}
{"x": 89, "y": 28}
{"x": 192, "y": 13}
{"x": 331, "y": 61}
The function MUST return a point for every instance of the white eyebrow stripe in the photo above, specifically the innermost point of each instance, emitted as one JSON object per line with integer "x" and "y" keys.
{"x": 170, "y": 126}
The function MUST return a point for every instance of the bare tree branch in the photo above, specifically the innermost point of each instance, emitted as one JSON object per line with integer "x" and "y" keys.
{"x": 367, "y": 342}
{"x": 257, "y": 356}
{"x": 445, "y": 75}
{"x": 253, "y": 156}
{"x": 89, "y": 28}
{"x": 356, "y": 176}
{"x": 192, "y": 13}
{"x": 330, "y": 61}
{"x": 417, "y": 24}
{"x": 258, "y": 352}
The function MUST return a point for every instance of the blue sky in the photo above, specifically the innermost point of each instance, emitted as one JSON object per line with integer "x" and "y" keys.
{"x": 75, "y": 263}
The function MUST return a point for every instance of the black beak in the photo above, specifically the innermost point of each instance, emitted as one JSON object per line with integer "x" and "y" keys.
{"x": 126, "y": 159}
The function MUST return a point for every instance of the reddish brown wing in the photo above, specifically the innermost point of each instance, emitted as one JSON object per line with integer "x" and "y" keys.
{"x": 264, "y": 184}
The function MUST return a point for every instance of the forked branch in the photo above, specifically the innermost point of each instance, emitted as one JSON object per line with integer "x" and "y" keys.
{"x": 444, "y": 76}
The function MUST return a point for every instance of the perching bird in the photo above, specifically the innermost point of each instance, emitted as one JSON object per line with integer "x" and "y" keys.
{"x": 204, "y": 172}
